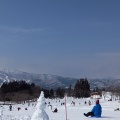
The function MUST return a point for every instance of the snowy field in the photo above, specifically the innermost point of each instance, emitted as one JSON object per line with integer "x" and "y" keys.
{"x": 74, "y": 112}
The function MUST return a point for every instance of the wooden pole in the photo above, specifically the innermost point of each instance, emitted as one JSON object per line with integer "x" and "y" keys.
{"x": 65, "y": 108}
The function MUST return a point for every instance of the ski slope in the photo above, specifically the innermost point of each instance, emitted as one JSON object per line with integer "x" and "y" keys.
{"x": 74, "y": 112}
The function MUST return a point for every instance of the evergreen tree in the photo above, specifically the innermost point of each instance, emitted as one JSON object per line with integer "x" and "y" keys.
{"x": 82, "y": 88}
{"x": 60, "y": 92}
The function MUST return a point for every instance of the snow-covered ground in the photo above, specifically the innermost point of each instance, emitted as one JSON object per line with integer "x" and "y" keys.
{"x": 74, "y": 112}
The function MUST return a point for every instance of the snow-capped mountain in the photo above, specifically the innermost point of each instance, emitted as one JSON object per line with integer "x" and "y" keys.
{"x": 52, "y": 81}
{"x": 44, "y": 80}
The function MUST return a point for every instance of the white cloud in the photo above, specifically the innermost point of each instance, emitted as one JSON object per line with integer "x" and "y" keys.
{"x": 19, "y": 30}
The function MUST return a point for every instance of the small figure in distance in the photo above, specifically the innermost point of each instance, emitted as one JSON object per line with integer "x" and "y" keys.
{"x": 96, "y": 111}
{"x": 89, "y": 102}
{"x": 55, "y": 110}
{"x": 10, "y": 107}
{"x": 117, "y": 109}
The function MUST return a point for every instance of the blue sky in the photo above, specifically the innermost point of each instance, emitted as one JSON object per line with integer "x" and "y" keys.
{"x": 72, "y": 38}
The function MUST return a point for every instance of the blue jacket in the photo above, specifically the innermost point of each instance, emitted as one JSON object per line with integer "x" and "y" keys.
{"x": 97, "y": 110}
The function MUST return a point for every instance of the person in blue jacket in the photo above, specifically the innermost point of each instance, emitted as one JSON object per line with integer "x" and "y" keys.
{"x": 96, "y": 111}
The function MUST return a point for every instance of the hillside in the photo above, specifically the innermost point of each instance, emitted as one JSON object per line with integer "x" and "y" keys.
{"x": 44, "y": 80}
{"x": 52, "y": 81}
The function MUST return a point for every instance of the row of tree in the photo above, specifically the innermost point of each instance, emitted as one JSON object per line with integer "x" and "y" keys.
{"x": 16, "y": 86}
{"x": 21, "y": 90}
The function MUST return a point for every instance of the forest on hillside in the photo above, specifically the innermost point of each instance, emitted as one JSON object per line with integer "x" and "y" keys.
{"x": 21, "y": 91}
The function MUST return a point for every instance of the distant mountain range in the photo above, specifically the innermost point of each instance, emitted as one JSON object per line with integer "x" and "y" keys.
{"x": 52, "y": 81}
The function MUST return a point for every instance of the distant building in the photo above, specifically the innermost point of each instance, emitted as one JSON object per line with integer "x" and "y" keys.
{"x": 95, "y": 95}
